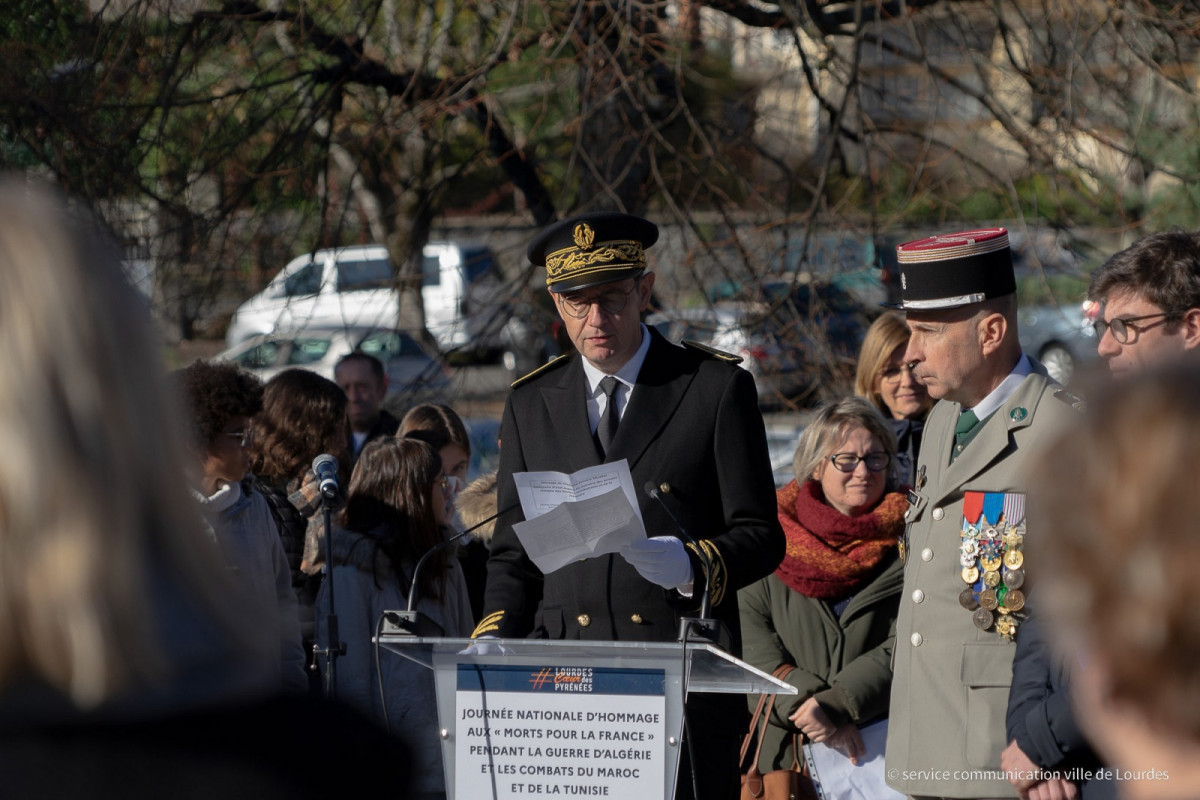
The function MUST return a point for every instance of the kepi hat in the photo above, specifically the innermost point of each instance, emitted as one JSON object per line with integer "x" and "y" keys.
{"x": 955, "y": 269}
{"x": 592, "y": 249}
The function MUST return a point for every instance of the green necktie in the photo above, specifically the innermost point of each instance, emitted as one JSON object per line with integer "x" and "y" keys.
{"x": 966, "y": 421}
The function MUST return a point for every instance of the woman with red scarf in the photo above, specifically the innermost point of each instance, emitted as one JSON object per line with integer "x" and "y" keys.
{"x": 830, "y": 608}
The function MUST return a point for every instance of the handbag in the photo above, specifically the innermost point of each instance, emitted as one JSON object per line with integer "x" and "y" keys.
{"x": 778, "y": 784}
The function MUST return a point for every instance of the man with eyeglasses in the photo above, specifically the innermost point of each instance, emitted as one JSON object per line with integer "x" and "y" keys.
{"x": 1150, "y": 294}
{"x": 961, "y": 609}
{"x": 686, "y": 420}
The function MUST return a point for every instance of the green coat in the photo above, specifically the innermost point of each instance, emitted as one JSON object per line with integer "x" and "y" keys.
{"x": 844, "y": 661}
{"x": 947, "y": 719}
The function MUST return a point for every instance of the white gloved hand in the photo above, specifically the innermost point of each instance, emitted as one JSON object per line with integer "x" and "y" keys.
{"x": 486, "y": 646}
{"x": 660, "y": 559}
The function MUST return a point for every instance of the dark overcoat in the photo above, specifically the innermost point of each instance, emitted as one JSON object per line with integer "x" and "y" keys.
{"x": 692, "y": 423}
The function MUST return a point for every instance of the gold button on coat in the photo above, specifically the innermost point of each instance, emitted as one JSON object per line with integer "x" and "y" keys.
{"x": 636, "y": 619}
{"x": 584, "y": 620}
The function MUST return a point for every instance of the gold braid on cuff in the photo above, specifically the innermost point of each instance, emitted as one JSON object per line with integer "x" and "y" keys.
{"x": 718, "y": 578}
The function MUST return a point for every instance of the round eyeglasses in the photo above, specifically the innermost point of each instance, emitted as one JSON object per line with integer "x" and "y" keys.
{"x": 611, "y": 302}
{"x": 848, "y": 462}
{"x": 1120, "y": 327}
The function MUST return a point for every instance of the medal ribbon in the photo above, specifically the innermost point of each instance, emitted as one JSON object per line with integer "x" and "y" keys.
{"x": 993, "y": 506}
{"x": 972, "y": 506}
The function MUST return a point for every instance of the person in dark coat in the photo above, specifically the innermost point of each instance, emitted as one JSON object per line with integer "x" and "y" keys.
{"x": 128, "y": 668}
{"x": 362, "y": 377}
{"x": 684, "y": 418}
{"x": 1047, "y": 745}
{"x": 888, "y": 381}
{"x": 303, "y": 416}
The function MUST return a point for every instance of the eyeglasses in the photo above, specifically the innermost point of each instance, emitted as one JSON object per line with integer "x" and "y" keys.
{"x": 244, "y": 437}
{"x": 848, "y": 462}
{"x": 892, "y": 374}
{"x": 611, "y": 302}
{"x": 1121, "y": 326}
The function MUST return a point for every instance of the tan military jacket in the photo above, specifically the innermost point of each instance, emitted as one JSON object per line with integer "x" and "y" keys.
{"x": 950, "y": 689}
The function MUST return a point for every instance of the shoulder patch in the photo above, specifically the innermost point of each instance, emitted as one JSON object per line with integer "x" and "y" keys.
{"x": 712, "y": 352}
{"x": 553, "y": 363}
{"x": 1070, "y": 398}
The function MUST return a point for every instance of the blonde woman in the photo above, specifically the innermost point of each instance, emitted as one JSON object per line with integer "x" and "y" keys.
{"x": 123, "y": 670}
{"x": 889, "y": 383}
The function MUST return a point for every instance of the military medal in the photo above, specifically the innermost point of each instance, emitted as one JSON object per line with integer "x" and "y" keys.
{"x": 1014, "y": 578}
{"x": 1015, "y": 600}
{"x": 966, "y": 599}
{"x": 992, "y": 559}
{"x": 983, "y": 619}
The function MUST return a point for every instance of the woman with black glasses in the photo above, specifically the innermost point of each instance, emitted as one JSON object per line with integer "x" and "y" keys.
{"x": 830, "y": 608}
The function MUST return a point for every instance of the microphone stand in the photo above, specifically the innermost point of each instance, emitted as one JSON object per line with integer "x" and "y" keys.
{"x": 411, "y": 622}
{"x": 702, "y": 628}
{"x": 334, "y": 646}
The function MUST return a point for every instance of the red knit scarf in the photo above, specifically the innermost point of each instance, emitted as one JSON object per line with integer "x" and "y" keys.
{"x": 830, "y": 555}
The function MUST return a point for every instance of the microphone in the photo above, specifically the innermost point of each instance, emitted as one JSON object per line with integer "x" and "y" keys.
{"x": 411, "y": 622}
{"x": 704, "y": 626}
{"x": 326, "y": 467}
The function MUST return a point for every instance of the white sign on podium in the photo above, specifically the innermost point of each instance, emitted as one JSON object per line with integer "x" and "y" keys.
{"x": 560, "y": 731}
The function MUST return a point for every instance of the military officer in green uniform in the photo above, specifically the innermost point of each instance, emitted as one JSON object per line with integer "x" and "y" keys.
{"x": 961, "y": 610}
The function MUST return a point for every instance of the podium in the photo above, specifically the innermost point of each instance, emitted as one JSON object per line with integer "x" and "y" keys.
{"x": 536, "y": 718}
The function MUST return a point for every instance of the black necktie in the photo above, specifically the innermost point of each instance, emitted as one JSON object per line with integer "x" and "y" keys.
{"x": 606, "y": 431}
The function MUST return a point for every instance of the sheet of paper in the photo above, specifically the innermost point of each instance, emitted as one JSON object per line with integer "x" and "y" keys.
{"x": 834, "y": 775}
{"x": 580, "y": 529}
{"x": 541, "y": 492}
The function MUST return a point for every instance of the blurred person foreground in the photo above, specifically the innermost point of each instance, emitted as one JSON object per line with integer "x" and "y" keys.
{"x": 1118, "y": 490}
{"x": 124, "y": 670}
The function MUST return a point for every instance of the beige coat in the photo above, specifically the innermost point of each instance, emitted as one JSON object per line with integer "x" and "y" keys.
{"x": 950, "y": 689}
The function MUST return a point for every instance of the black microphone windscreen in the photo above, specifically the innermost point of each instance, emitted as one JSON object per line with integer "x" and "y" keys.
{"x": 651, "y": 488}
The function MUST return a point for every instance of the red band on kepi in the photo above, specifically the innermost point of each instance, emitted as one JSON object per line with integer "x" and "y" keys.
{"x": 955, "y": 269}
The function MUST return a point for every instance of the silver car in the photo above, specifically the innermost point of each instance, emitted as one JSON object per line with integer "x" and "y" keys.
{"x": 1061, "y": 337}
{"x": 410, "y": 370}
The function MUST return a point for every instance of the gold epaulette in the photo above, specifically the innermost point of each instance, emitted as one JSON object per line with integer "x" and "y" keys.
{"x": 553, "y": 363}
{"x": 1070, "y": 398}
{"x": 712, "y": 351}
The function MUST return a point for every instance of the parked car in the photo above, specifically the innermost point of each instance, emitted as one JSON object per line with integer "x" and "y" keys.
{"x": 356, "y": 286}
{"x": 413, "y": 374}
{"x": 1061, "y": 337}
{"x": 743, "y": 330}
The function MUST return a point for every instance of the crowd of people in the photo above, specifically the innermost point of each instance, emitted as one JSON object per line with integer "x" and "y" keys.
{"x": 965, "y": 551}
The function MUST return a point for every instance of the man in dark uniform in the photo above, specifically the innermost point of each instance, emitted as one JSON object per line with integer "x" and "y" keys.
{"x": 687, "y": 421}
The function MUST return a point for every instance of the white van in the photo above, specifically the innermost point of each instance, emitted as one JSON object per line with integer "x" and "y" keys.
{"x": 356, "y": 286}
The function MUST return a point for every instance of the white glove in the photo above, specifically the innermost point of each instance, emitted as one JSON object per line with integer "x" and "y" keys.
{"x": 481, "y": 646}
{"x": 660, "y": 559}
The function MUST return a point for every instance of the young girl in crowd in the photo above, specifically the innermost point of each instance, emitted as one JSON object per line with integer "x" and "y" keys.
{"x": 394, "y": 513}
